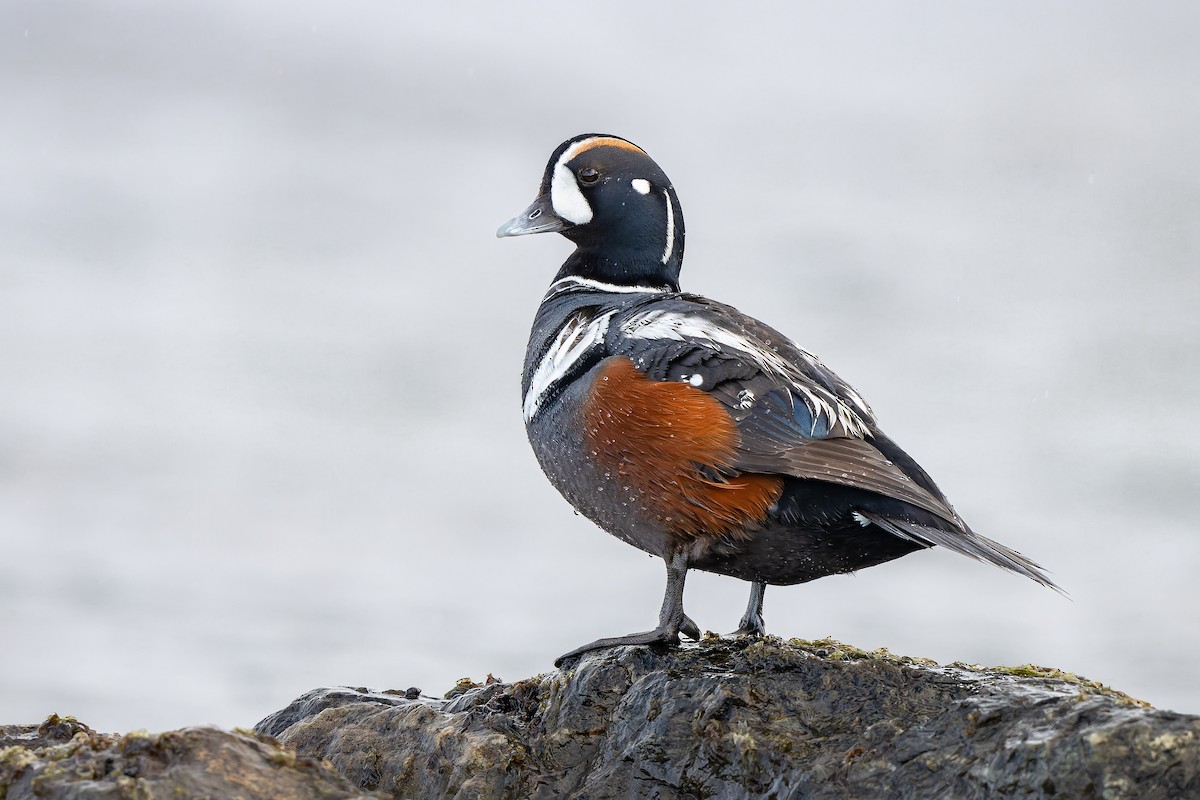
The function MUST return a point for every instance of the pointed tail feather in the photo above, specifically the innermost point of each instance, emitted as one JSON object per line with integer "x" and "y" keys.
{"x": 967, "y": 543}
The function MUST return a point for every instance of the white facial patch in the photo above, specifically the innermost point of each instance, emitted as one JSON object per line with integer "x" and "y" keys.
{"x": 640, "y": 185}
{"x": 565, "y": 195}
{"x": 578, "y": 335}
{"x": 675, "y": 326}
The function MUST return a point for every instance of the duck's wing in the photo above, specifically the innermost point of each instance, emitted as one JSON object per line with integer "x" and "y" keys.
{"x": 794, "y": 416}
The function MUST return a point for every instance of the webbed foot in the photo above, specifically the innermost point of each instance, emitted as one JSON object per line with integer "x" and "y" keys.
{"x": 671, "y": 619}
{"x": 661, "y": 636}
{"x": 751, "y": 626}
{"x": 752, "y": 623}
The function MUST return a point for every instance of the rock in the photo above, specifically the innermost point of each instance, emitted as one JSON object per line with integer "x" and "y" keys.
{"x": 754, "y": 718}
{"x": 721, "y": 719}
{"x": 63, "y": 758}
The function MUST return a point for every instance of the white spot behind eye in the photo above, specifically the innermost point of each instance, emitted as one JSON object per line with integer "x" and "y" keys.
{"x": 640, "y": 185}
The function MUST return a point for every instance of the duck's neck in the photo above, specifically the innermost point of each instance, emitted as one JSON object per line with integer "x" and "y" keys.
{"x": 623, "y": 269}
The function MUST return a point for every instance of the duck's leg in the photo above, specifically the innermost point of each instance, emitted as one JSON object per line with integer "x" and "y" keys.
{"x": 752, "y": 623}
{"x": 670, "y": 619}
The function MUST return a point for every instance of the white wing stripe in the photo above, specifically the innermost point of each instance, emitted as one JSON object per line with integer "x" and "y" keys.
{"x": 679, "y": 327}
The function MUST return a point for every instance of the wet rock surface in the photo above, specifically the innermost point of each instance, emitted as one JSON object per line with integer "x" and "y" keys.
{"x": 722, "y": 719}
{"x": 62, "y": 758}
{"x": 758, "y": 718}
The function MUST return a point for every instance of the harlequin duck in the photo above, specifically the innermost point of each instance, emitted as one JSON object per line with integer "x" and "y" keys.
{"x": 692, "y": 431}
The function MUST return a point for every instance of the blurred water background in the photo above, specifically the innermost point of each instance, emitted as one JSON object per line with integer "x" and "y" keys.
{"x": 260, "y": 423}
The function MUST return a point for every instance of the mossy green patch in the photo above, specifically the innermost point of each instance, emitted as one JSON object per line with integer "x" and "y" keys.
{"x": 13, "y": 761}
{"x": 463, "y": 686}
{"x": 1087, "y": 685}
{"x": 831, "y": 649}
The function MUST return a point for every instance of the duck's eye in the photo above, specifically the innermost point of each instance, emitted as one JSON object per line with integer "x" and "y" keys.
{"x": 588, "y": 176}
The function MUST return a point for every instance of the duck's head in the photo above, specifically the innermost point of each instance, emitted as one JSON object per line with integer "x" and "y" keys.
{"x": 608, "y": 197}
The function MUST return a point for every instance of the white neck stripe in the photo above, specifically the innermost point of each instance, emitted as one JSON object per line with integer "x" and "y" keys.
{"x": 600, "y": 286}
{"x": 670, "y": 229}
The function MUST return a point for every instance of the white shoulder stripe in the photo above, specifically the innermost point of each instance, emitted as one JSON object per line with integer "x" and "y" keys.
{"x": 578, "y": 335}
